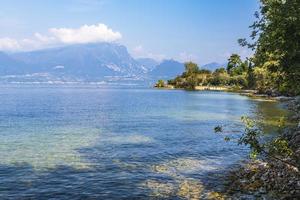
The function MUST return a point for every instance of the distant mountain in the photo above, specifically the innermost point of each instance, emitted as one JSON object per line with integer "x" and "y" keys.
{"x": 167, "y": 69}
{"x": 147, "y": 63}
{"x": 86, "y": 61}
{"x": 213, "y": 66}
{"x": 9, "y": 66}
{"x": 106, "y": 62}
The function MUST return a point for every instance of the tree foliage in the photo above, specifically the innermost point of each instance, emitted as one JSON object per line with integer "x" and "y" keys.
{"x": 276, "y": 148}
{"x": 234, "y": 62}
{"x": 275, "y": 65}
{"x": 276, "y": 42}
{"x": 160, "y": 84}
{"x": 193, "y": 76}
{"x": 191, "y": 68}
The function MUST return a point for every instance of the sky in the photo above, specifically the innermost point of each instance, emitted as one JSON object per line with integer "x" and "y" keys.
{"x": 202, "y": 31}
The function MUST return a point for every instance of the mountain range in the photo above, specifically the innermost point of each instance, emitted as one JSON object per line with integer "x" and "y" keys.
{"x": 108, "y": 62}
{"x": 213, "y": 66}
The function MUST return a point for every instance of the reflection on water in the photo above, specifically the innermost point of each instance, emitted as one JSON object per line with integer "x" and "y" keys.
{"x": 269, "y": 115}
{"x": 96, "y": 143}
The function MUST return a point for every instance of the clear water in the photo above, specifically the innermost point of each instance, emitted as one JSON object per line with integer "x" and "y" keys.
{"x": 101, "y": 143}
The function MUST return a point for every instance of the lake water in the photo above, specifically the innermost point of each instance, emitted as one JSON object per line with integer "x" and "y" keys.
{"x": 106, "y": 143}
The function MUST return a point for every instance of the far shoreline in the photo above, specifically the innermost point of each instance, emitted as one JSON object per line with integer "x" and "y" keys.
{"x": 249, "y": 93}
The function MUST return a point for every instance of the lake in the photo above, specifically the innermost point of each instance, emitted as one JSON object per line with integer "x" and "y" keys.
{"x": 88, "y": 142}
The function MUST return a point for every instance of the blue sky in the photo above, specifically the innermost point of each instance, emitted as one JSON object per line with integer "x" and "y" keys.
{"x": 199, "y": 30}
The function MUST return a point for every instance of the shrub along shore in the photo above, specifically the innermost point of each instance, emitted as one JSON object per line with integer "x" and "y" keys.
{"x": 274, "y": 174}
{"x": 272, "y": 71}
{"x": 270, "y": 177}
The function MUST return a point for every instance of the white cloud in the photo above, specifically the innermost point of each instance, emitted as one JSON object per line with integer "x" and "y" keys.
{"x": 60, "y": 36}
{"x": 44, "y": 38}
{"x": 139, "y": 49}
{"x": 9, "y": 44}
{"x": 86, "y": 34}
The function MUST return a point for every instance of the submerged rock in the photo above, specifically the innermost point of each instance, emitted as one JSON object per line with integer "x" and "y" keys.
{"x": 215, "y": 196}
{"x": 183, "y": 166}
{"x": 160, "y": 189}
{"x": 190, "y": 189}
{"x": 183, "y": 186}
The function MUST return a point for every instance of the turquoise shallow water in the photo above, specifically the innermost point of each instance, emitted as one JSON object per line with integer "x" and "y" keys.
{"x": 106, "y": 143}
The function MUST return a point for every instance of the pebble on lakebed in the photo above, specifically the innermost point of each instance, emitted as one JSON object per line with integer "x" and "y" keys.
{"x": 160, "y": 189}
{"x": 184, "y": 189}
{"x": 190, "y": 189}
{"x": 272, "y": 180}
{"x": 187, "y": 165}
{"x": 180, "y": 185}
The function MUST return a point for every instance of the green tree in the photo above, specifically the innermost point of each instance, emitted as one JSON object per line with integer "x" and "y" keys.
{"x": 239, "y": 81}
{"x": 204, "y": 71}
{"x": 160, "y": 84}
{"x": 192, "y": 82}
{"x": 191, "y": 68}
{"x": 233, "y": 62}
{"x": 219, "y": 77}
{"x": 276, "y": 42}
{"x": 220, "y": 70}
{"x": 253, "y": 136}
{"x": 251, "y": 77}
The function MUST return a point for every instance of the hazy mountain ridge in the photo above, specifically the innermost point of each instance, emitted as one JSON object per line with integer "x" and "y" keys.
{"x": 9, "y": 65}
{"x": 84, "y": 63}
{"x": 167, "y": 69}
{"x": 213, "y": 66}
{"x": 147, "y": 63}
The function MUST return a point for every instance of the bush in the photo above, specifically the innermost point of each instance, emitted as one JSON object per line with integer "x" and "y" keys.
{"x": 160, "y": 84}
{"x": 239, "y": 80}
{"x": 219, "y": 79}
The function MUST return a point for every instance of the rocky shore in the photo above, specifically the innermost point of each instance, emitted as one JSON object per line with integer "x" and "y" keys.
{"x": 269, "y": 178}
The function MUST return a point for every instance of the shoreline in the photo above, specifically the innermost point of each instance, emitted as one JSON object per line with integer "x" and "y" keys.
{"x": 264, "y": 178}
{"x": 267, "y": 178}
{"x": 249, "y": 93}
